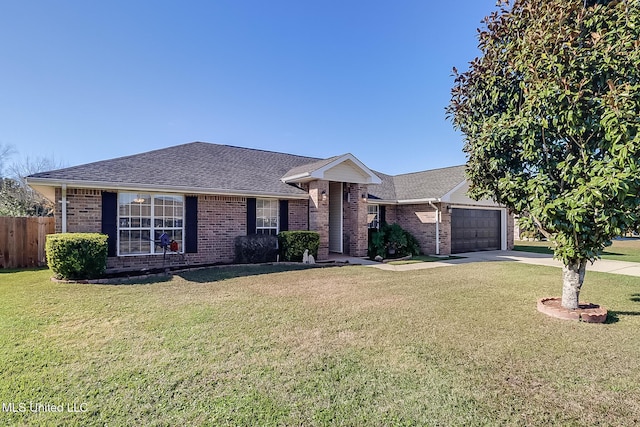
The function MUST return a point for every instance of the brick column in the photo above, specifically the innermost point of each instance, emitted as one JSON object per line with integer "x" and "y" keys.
{"x": 445, "y": 230}
{"x": 319, "y": 214}
{"x": 356, "y": 220}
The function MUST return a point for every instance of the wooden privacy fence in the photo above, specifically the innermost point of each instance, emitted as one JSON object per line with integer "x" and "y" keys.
{"x": 22, "y": 241}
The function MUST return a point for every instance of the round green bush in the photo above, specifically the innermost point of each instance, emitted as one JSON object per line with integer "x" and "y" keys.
{"x": 77, "y": 255}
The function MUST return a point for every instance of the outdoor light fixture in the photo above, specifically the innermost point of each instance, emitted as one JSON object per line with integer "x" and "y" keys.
{"x": 364, "y": 197}
{"x": 449, "y": 209}
{"x": 324, "y": 195}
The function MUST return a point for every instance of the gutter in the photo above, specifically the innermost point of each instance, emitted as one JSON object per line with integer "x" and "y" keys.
{"x": 437, "y": 226}
{"x": 98, "y": 185}
{"x": 64, "y": 208}
{"x": 429, "y": 200}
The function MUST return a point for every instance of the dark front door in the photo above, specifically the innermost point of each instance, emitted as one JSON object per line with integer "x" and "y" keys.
{"x": 475, "y": 230}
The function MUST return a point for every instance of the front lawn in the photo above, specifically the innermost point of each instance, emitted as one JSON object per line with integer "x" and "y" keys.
{"x": 424, "y": 258}
{"x": 620, "y": 250}
{"x": 459, "y": 345}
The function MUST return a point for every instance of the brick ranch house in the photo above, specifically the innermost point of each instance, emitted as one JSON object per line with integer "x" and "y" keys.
{"x": 204, "y": 195}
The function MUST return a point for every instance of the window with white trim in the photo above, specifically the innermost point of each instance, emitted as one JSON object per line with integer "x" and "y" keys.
{"x": 267, "y": 216}
{"x": 373, "y": 216}
{"x": 142, "y": 218}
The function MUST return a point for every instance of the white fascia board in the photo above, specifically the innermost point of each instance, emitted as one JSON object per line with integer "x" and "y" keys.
{"x": 97, "y": 185}
{"x": 301, "y": 177}
{"x": 372, "y": 178}
{"x": 477, "y": 207}
{"x": 381, "y": 202}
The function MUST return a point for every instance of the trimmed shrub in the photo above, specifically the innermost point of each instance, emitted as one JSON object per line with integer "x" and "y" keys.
{"x": 392, "y": 241}
{"x": 294, "y": 243}
{"x": 256, "y": 249}
{"x": 77, "y": 255}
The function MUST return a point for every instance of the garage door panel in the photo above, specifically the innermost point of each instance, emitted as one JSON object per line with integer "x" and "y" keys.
{"x": 475, "y": 230}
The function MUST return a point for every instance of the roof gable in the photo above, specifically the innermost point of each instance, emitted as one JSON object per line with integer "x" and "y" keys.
{"x": 459, "y": 196}
{"x": 345, "y": 168}
{"x": 426, "y": 185}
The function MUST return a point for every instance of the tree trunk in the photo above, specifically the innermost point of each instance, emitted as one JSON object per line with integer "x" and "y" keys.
{"x": 572, "y": 279}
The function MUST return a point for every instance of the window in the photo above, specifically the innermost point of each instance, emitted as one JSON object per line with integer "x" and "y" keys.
{"x": 373, "y": 216}
{"x": 267, "y": 216}
{"x": 142, "y": 218}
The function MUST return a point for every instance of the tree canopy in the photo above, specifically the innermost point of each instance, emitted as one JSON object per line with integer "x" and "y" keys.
{"x": 16, "y": 197}
{"x": 550, "y": 112}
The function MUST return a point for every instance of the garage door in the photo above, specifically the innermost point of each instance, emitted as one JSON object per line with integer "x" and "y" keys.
{"x": 475, "y": 230}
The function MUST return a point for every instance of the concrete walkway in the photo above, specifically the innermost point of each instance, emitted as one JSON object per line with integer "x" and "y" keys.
{"x": 603, "y": 265}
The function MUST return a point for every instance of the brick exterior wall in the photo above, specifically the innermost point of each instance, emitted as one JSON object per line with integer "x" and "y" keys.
{"x": 390, "y": 213}
{"x": 298, "y": 215}
{"x": 425, "y": 233}
{"x": 445, "y": 230}
{"x": 355, "y": 227}
{"x": 84, "y": 210}
{"x": 220, "y": 220}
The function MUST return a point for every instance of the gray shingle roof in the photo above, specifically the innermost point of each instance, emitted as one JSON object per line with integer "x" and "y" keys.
{"x": 196, "y": 165}
{"x": 385, "y": 190}
{"x": 213, "y": 167}
{"x": 431, "y": 184}
{"x": 310, "y": 167}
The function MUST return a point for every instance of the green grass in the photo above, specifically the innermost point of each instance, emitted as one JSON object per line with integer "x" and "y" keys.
{"x": 620, "y": 250}
{"x": 459, "y": 345}
{"x": 424, "y": 258}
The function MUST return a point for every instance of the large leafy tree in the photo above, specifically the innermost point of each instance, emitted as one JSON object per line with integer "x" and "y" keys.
{"x": 550, "y": 112}
{"x": 16, "y": 197}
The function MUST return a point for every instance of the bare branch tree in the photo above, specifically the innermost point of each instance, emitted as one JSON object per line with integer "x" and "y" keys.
{"x": 6, "y": 151}
{"x": 16, "y": 197}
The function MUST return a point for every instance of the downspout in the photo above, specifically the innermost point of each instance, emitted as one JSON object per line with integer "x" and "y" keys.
{"x": 64, "y": 208}
{"x": 437, "y": 226}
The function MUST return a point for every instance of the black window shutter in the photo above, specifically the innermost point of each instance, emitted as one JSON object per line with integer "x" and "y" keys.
{"x": 110, "y": 221}
{"x": 191, "y": 224}
{"x": 251, "y": 215}
{"x": 284, "y": 215}
{"x": 383, "y": 214}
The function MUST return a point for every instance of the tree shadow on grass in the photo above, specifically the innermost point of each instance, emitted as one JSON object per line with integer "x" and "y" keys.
{"x": 210, "y": 274}
{"x": 216, "y": 274}
{"x": 613, "y": 316}
{"x": 21, "y": 270}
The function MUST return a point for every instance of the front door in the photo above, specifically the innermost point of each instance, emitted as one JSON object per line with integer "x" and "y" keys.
{"x": 335, "y": 217}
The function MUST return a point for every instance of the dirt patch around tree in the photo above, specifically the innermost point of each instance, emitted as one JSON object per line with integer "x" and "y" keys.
{"x": 586, "y": 312}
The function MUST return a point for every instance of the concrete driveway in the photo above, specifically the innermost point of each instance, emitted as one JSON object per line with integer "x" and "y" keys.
{"x": 603, "y": 266}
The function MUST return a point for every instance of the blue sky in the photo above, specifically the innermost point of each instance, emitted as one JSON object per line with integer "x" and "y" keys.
{"x": 83, "y": 81}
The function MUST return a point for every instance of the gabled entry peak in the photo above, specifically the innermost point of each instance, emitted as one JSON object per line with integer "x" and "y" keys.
{"x": 344, "y": 168}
